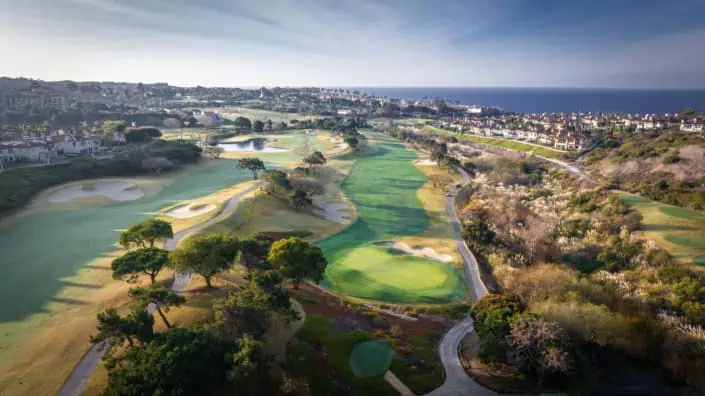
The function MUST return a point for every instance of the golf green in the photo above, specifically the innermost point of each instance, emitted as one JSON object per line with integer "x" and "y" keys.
{"x": 383, "y": 186}
{"x": 370, "y": 359}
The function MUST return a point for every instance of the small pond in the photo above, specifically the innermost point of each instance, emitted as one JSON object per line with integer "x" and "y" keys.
{"x": 252, "y": 145}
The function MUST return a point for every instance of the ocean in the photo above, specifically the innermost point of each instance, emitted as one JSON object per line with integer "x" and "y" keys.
{"x": 557, "y": 100}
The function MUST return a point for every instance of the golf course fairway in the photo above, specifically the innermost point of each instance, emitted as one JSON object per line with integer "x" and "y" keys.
{"x": 383, "y": 187}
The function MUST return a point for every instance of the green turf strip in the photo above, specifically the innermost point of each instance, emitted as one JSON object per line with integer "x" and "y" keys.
{"x": 681, "y": 213}
{"x": 687, "y": 241}
{"x": 699, "y": 260}
{"x": 383, "y": 187}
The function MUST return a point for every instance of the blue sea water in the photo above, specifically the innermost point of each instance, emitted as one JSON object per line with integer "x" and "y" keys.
{"x": 557, "y": 100}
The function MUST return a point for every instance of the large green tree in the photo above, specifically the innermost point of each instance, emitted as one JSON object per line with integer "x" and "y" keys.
{"x": 250, "y": 310}
{"x": 136, "y": 328}
{"x": 315, "y": 160}
{"x": 298, "y": 260}
{"x": 252, "y": 164}
{"x": 243, "y": 123}
{"x": 148, "y": 261}
{"x": 146, "y": 233}
{"x": 205, "y": 255}
{"x": 162, "y": 297}
{"x": 258, "y": 126}
{"x": 278, "y": 181}
{"x": 178, "y": 362}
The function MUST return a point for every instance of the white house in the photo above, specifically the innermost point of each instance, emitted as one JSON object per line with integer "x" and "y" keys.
{"x": 692, "y": 126}
{"x": 77, "y": 146}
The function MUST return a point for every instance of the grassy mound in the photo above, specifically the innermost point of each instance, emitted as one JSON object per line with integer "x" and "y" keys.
{"x": 685, "y": 240}
{"x": 370, "y": 359}
{"x": 383, "y": 186}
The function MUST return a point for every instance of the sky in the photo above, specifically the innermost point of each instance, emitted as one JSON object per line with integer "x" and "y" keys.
{"x": 509, "y": 43}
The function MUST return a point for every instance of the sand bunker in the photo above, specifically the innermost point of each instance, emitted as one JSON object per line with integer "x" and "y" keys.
{"x": 416, "y": 251}
{"x": 425, "y": 162}
{"x": 186, "y": 211}
{"x": 113, "y": 190}
{"x": 337, "y": 211}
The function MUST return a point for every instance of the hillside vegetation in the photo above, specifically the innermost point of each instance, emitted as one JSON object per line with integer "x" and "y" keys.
{"x": 665, "y": 166}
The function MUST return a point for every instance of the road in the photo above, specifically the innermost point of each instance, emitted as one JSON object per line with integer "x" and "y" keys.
{"x": 457, "y": 381}
{"x": 570, "y": 168}
{"x": 84, "y": 369}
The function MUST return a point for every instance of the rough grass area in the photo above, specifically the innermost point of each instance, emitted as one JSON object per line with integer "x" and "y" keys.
{"x": 678, "y": 230}
{"x": 317, "y": 330}
{"x": 499, "y": 142}
{"x": 383, "y": 187}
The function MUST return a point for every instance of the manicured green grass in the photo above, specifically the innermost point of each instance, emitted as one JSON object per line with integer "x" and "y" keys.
{"x": 505, "y": 143}
{"x": 374, "y": 273}
{"x": 679, "y": 230}
{"x": 679, "y": 212}
{"x": 383, "y": 186}
{"x": 685, "y": 240}
{"x": 370, "y": 359}
{"x": 699, "y": 260}
{"x": 634, "y": 199}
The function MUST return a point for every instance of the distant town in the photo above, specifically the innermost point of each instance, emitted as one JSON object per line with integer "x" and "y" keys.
{"x": 42, "y": 122}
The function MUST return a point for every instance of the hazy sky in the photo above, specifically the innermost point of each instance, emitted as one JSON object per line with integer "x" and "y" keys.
{"x": 606, "y": 43}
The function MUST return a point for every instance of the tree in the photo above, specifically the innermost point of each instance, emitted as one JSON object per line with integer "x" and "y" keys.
{"x": 146, "y": 234}
{"x": 539, "y": 346}
{"x": 178, "y": 362}
{"x": 252, "y": 164}
{"x": 214, "y": 151}
{"x": 250, "y": 310}
{"x": 478, "y": 231}
{"x": 297, "y": 260}
{"x": 135, "y": 327}
{"x": 352, "y": 142}
{"x": 308, "y": 185}
{"x": 299, "y": 199}
{"x": 687, "y": 112}
{"x": 253, "y": 252}
{"x": 205, "y": 255}
{"x": 438, "y": 156}
{"x": 162, "y": 298}
{"x": 157, "y": 164}
{"x": 110, "y": 127}
{"x": 493, "y": 315}
{"x": 243, "y": 123}
{"x": 250, "y": 366}
{"x": 278, "y": 180}
{"x": 148, "y": 261}
{"x": 258, "y": 126}
{"x": 316, "y": 159}
{"x": 268, "y": 124}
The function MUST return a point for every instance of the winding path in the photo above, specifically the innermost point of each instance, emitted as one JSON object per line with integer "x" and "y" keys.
{"x": 84, "y": 369}
{"x": 457, "y": 381}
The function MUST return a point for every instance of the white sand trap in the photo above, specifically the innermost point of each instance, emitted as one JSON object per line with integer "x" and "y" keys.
{"x": 186, "y": 211}
{"x": 420, "y": 251}
{"x": 426, "y": 162}
{"x": 336, "y": 211}
{"x": 113, "y": 190}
